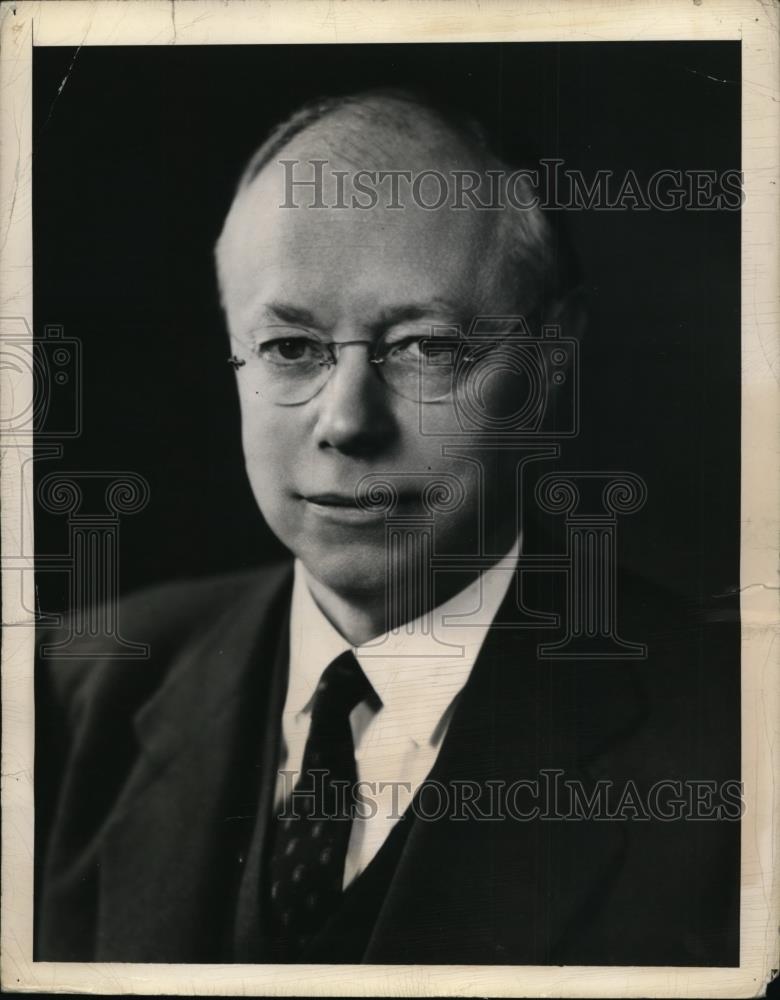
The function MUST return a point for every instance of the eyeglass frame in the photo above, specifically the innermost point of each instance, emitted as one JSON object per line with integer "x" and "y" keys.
{"x": 377, "y": 361}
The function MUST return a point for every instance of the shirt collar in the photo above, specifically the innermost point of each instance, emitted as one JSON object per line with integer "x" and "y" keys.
{"x": 400, "y": 665}
{"x": 314, "y": 643}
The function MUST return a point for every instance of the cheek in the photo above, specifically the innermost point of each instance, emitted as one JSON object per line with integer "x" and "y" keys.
{"x": 426, "y": 427}
{"x": 271, "y": 443}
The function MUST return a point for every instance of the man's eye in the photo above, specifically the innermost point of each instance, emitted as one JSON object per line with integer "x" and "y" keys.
{"x": 291, "y": 350}
{"x": 421, "y": 351}
{"x": 409, "y": 349}
{"x": 437, "y": 355}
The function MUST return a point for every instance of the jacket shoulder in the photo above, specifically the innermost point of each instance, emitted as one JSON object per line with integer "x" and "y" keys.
{"x": 174, "y": 607}
{"x": 74, "y": 670}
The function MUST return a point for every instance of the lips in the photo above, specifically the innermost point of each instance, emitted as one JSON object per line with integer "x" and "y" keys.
{"x": 344, "y": 509}
{"x": 348, "y": 499}
{"x": 332, "y": 499}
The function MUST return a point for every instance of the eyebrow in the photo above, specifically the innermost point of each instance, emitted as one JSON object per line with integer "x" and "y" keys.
{"x": 440, "y": 308}
{"x": 294, "y": 315}
{"x": 391, "y": 316}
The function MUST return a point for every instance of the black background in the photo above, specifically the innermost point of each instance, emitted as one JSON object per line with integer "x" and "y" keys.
{"x": 136, "y": 154}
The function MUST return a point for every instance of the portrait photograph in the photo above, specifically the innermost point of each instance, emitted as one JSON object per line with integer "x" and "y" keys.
{"x": 390, "y": 522}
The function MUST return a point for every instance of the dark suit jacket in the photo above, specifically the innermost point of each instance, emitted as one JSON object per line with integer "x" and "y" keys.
{"x": 153, "y": 781}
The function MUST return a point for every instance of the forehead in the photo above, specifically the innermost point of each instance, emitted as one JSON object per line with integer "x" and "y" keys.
{"x": 277, "y": 241}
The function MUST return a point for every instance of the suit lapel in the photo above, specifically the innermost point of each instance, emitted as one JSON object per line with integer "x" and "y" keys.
{"x": 510, "y": 890}
{"x": 174, "y": 849}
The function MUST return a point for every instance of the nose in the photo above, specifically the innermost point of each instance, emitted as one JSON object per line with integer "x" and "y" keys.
{"x": 354, "y": 413}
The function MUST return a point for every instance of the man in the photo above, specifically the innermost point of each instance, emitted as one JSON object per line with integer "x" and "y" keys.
{"x": 259, "y": 791}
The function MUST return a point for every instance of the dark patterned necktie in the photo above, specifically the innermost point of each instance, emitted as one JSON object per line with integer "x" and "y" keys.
{"x": 312, "y": 827}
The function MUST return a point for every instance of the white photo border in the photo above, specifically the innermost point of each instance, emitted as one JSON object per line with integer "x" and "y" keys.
{"x": 201, "y": 22}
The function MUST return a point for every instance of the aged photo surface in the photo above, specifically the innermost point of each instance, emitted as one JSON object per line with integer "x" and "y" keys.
{"x": 387, "y": 504}
{"x": 389, "y": 427}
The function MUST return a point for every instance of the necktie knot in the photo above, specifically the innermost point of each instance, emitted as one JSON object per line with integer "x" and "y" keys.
{"x": 342, "y": 686}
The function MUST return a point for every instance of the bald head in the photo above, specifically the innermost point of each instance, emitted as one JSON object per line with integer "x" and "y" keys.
{"x": 390, "y": 116}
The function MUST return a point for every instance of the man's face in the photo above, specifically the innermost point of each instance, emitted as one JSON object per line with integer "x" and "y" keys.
{"x": 345, "y": 275}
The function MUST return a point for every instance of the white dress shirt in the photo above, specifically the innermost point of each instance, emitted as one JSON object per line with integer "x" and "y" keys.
{"x": 417, "y": 673}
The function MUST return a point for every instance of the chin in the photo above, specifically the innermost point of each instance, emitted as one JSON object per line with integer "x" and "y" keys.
{"x": 350, "y": 571}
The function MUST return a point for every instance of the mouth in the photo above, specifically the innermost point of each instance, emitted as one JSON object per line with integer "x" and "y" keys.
{"x": 343, "y": 507}
{"x": 340, "y": 500}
